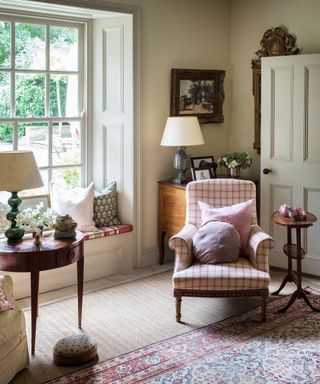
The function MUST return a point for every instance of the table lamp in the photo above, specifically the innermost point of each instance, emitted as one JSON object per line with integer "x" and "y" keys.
{"x": 182, "y": 132}
{"x": 18, "y": 171}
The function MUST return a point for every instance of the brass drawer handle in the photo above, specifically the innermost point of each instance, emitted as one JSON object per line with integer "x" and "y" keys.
{"x": 71, "y": 254}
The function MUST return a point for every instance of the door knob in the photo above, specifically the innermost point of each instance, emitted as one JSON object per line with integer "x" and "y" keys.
{"x": 266, "y": 171}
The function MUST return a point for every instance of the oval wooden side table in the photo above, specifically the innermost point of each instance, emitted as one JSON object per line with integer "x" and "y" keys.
{"x": 294, "y": 251}
{"x": 50, "y": 254}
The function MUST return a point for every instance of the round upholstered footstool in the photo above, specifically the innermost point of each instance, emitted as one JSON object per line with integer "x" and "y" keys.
{"x": 75, "y": 349}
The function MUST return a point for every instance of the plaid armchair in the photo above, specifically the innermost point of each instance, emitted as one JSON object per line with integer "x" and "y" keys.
{"x": 248, "y": 276}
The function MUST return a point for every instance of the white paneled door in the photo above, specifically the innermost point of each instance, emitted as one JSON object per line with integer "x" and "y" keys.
{"x": 290, "y": 148}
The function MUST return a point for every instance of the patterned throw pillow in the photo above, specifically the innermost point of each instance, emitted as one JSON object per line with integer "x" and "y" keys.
{"x": 4, "y": 303}
{"x": 105, "y": 211}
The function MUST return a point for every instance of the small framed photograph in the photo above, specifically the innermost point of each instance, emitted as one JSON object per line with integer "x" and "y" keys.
{"x": 197, "y": 92}
{"x": 202, "y": 173}
{"x": 204, "y": 162}
{"x": 33, "y": 201}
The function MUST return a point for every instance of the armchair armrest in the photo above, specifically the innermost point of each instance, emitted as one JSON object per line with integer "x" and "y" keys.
{"x": 181, "y": 243}
{"x": 259, "y": 245}
{"x": 7, "y": 286}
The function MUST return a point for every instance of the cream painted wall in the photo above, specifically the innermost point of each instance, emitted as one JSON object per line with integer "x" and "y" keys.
{"x": 177, "y": 34}
{"x": 249, "y": 20}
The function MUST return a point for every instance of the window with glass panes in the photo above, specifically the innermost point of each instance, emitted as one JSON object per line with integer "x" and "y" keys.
{"x": 41, "y": 102}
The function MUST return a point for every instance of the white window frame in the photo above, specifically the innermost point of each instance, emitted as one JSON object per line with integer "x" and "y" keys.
{"x": 82, "y": 89}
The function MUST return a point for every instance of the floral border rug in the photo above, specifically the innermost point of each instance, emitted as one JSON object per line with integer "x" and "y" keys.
{"x": 242, "y": 349}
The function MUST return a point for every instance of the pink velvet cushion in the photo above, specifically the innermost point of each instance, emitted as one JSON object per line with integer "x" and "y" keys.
{"x": 239, "y": 215}
{"x": 4, "y": 303}
{"x": 216, "y": 242}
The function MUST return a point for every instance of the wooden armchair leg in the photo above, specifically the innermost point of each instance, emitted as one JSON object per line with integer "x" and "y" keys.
{"x": 264, "y": 300}
{"x": 178, "y": 308}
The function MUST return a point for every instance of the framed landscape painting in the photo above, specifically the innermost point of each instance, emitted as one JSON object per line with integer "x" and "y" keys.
{"x": 197, "y": 92}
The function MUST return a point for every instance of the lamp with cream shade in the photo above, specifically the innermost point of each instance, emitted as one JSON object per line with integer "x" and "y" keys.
{"x": 182, "y": 132}
{"x": 18, "y": 171}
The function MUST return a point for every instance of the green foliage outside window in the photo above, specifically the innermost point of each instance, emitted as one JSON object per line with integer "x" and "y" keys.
{"x": 30, "y": 95}
{"x": 71, "y": 177}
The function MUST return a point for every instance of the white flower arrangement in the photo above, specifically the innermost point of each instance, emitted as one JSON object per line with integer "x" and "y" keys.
{"x": 235, "y": 159}
{"x": 4, "y": 222}
{"x": 34, "y": 220}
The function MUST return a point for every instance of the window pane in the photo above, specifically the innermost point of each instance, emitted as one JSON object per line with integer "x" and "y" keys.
{"x": 6, "y": 137}
{"x": 34, "y": 137}
{"x": 30, "y": 46}
{"x": 30, "y": 95}
{"x": 66, "y": 143}
{"x": 5, "y": 94}
{"x": 63, "y": 49}
{"x": 4, "y": 196}
{"x": 5, "y": 44}
{"x": 67, "y": 177}
{"x": 38, "y": 191}
{"x": 64, "y": 96}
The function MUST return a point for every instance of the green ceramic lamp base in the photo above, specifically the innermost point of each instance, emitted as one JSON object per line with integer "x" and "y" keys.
{"x": 14, "y": 233}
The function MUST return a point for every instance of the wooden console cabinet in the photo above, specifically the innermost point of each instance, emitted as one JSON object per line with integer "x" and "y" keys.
{"x": 172, "y": 212}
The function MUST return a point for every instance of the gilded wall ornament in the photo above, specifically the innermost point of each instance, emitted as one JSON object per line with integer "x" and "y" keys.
{"x": 275, "y": 42}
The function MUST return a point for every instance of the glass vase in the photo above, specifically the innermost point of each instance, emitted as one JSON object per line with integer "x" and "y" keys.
{"x": 37, "y": 236}
{"x": 234, "y": 172}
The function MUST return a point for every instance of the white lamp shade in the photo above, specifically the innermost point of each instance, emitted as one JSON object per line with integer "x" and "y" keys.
{"x": 19, "y": 171}
{"x": 182, "y": 131}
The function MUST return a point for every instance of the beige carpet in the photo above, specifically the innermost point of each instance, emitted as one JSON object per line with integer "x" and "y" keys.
{"x": 127, "y": 317}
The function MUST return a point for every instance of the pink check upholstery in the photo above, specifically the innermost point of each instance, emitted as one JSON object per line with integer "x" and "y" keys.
{"x": 222, "y": 277}
{"x": 108, "y": 231}
{"x": 249, "y": 273}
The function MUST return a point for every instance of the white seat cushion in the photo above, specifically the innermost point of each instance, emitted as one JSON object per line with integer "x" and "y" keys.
{"x": 239, "y": 275}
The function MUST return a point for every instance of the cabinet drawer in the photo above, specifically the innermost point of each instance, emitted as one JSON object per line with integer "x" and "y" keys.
{"x": 68, "y": 256}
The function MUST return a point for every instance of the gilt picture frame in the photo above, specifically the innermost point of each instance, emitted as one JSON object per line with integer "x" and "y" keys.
{"x": 197, "y": 92}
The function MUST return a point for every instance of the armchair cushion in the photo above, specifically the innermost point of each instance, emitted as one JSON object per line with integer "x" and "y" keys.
{"x": 240, "y": 275}
{"x": 238, "y": 215}
{"x": 216, "y": 242}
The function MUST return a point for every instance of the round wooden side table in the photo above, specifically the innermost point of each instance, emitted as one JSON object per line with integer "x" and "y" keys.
{"x": 294, "y": 251}
{"x": 50, "y": 254}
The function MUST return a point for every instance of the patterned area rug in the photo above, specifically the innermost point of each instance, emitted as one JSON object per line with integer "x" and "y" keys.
{"x": 242, "y": 349}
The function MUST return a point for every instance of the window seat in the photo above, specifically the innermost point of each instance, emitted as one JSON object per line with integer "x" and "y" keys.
{"x": 108, "y": 231}
{"x": 107, "y": 255}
